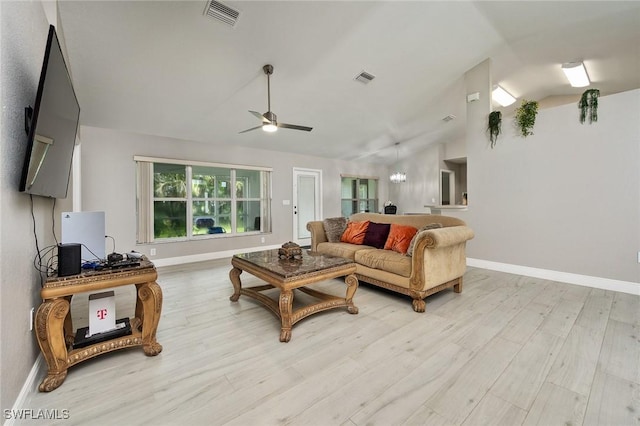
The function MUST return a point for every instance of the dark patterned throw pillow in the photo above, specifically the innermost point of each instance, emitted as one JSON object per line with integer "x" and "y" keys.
{"x": 377, "y": 234}
{"x": 334, "y": 228}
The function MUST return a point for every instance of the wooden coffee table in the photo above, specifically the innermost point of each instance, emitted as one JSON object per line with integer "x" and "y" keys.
{"x": 293, "y": 274}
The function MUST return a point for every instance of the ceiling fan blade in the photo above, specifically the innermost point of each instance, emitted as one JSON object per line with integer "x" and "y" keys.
{"x": 294, "y": 127}
{"x": 253, "y": 128}
{"x": 260, "y": 116}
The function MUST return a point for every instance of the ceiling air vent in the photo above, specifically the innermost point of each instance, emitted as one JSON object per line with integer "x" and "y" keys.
{"x": 364, "y": 77}
{"x": 222, "y": 12}
{"x": 449, "y": 118}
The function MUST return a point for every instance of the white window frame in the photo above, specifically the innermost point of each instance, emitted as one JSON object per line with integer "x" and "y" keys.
{"x": 357, "y": 199}
{"x": 146, "y": 198}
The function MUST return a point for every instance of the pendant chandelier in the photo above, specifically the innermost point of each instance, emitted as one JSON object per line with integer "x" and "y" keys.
{"x": 398, "y": 177}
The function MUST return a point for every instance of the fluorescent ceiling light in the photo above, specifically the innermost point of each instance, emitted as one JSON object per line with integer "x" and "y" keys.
{"x": 576, "y": 74}
{"x": 269, "y": 127}
{"x": 502, "y": 97}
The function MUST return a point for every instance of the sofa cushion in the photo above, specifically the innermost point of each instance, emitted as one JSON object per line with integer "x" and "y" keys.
{"x": 415, "y": 237}
{"x": 341, "y": 249}
{"x": 334, "y": 228}
{"x": 385, "y": 260}
{"x": 400, "y": 237}
{"x": 355, "y": 232}
{"x": 376, "y": 235}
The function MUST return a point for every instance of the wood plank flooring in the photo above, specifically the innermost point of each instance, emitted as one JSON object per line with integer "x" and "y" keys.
{"x": 508, "y": 350}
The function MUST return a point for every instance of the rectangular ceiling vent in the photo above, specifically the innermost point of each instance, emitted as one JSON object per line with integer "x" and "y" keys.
{"x": 364, "y": 77}
{"x": 222, "y": 12}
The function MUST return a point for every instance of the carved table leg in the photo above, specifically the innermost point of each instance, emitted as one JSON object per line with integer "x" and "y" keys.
{"x": 139, "y": 312}
{"x": 150, "y": 296}
{"x": 69, "y": 335}
{"x": 286, "y": 304}
{"x": 234, "y": 276}
{"x": 352, "y": 286}
{"x": 50, "y": 320}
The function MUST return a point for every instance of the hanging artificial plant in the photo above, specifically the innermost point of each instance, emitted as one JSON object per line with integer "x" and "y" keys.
{"x": 589, "y": 105}
{"x": 495, "y": 126}
{"x": 526, "y": 117}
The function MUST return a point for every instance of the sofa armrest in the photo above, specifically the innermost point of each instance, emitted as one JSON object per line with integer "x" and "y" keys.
{"x": 317, "y": 234}
{"x": 439, "y": 256}
{"x": 443, "y": 237}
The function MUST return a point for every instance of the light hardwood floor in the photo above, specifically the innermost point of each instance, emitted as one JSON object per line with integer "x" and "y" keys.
{"x": 508, "y": 350}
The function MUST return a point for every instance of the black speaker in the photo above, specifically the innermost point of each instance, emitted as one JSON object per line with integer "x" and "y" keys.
{"x": 69, "y": 259}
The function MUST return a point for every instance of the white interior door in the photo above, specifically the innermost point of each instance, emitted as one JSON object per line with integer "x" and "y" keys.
{"x": 307, "y": 202}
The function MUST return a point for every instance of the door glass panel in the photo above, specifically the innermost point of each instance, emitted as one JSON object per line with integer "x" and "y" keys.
{"x": 306, "y": 204}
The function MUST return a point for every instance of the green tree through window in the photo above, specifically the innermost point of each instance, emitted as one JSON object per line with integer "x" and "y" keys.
{"x": 191, "y": 201}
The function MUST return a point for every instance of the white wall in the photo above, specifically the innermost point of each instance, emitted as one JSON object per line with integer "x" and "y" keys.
{"x": 423, "y": 170}
{"x": 565, "y": 199}
{"x": 108, "y": 184}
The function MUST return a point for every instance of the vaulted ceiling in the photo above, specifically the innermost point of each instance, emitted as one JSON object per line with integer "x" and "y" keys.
{"x": 165, "y": 68}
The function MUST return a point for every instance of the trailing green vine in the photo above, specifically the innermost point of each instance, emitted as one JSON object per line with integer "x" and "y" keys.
{"x": 495, "y": 126}
{"x": 526, "y": 117}
{"x": 589, "y": 105}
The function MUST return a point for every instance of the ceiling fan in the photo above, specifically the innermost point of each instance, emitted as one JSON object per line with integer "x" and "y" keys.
{"x": 269, "y": 119}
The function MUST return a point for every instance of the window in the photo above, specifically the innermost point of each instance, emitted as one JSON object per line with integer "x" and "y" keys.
{"x": 186, "y": 201}
{"x": 359, "y": 194}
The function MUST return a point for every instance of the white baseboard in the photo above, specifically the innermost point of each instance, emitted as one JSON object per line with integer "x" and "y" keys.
{"x": 29, "y": 386}
{"x": 170, "y": 261}
{"x": 565, "y": 277}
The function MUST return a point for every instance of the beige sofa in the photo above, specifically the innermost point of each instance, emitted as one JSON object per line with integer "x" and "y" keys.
{"x": 438, "y": 260}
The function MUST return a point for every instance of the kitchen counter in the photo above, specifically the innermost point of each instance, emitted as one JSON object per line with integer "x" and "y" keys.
{"x": 438, "y": 209}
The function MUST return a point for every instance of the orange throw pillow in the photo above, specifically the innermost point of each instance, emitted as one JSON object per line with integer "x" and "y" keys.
{"x": 355, "y": 232}
{"x": 400, "y": 237}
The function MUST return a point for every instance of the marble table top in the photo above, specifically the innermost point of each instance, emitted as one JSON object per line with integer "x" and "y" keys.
{"x": 287, "y": 268}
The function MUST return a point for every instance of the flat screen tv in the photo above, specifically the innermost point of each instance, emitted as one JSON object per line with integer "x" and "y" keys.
{"x": 51, "y": 126}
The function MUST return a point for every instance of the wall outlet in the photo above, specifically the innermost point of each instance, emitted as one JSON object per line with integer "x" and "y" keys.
{"x": 262, "y": 241}
{"x": 152, "y": 252}
{"x": 31, "y": 313}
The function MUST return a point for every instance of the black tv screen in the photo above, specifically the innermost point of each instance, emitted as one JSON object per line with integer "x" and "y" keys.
{"x": 52, "y": 128}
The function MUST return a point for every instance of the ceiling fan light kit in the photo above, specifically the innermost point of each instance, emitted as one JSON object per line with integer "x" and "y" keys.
{"x": 269, "y": 119}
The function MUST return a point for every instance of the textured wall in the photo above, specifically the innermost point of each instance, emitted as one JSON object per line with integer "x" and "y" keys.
{"x": 23, "y": 36}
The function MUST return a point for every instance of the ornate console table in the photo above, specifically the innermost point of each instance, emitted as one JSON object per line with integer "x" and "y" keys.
{"x": 54, "y": 328}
